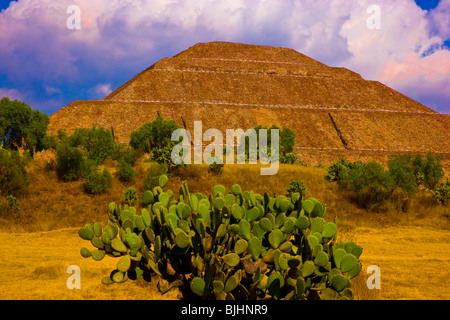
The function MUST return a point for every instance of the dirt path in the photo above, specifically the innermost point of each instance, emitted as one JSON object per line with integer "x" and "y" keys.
{"x": 414, "y": 263}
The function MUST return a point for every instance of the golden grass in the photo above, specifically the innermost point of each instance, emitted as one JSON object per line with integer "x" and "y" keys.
{"x": 410, "y": 248}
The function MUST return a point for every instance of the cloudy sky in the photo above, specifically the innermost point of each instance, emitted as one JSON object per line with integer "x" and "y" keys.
{"x": 404, "y": 44}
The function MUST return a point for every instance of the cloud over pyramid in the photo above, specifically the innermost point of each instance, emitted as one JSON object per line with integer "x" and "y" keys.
{"x": 334, "y": 111}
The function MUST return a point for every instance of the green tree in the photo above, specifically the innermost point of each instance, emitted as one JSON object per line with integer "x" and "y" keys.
{"x": 428, "y": 171}
{"x": 154, "y": 135}
{"x": 14, "y": 178}
{"x": 401, "y": 171}
{"x": 287, "y": 141}
{"x": 69, "y": 162}
{"x": 98, "y": 142}
{"x": 21, "y": 126}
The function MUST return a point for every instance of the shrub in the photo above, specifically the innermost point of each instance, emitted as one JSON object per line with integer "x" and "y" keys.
{"x": 98, "y": 182}
{"x": 13, "y": 203}
{"x": 124, "y": 152}
{"x": 288, "y": 158}
{"x": 442, "y": 193}
{"x": 14, "y": 178}
{"x": 130, "y": 196}
{"x": 216, "y": 168}
{"x": 163, "y": 156}
{"x": 151, "y": 180}
{"x": 98, "y": 143}
{"x": 370, "y": 183}
{"x": 428, "y": 171}
{"x": 125, "y": 171}
{"x": 402, "y": 173}
{"x": 296, "y": 186}
{"x": 69, "y": 162}
{"x": 153, "y": 135}
{"x": 227, "y": 245}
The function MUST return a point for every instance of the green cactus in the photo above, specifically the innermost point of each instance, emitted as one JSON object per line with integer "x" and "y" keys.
{"x": 85, "y": 252}
{"x": 254, "y": 247}
{"x": 275, "y": 238}
{"x": 236, "y": 245}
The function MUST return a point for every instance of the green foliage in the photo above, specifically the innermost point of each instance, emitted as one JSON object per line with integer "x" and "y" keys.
{"x": 13, "y": 203}
{"x": 296, "y": 186}
{"x": 163, "y": 156}
{"x": 428, "y": 171}
{"x": 216, "y": 168}
{"x": 69, "y": 162}
{"x": 288, "y": 158}
{"x": 402, "y": 173}
{"x": 370, "y": 183}
{"x": 442, "y": 193}
{"x": 227, "y": 245}
{"x": 97, "y": 142}
{"x": 98, "y": 182}
{"x": 372, "y": 186}
{"x": 125, "y": 171}
{"x": 124, "y": 152}
{"x": 151, "y": 180}
{"x": 130, "y": 196}
{"x": 287, "y": 141}
{"x": 14, "y": 178}
{"x": 21, "y": 126}
{"x": 153, "y": 135}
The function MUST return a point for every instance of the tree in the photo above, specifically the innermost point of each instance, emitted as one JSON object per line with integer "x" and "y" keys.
{"x": 21, "y": 126}
{"x": 98, "y": 142}
{"x": 287, "y": 141}
{"x": 156, "y": 134}
{"x": 402, "y": 172}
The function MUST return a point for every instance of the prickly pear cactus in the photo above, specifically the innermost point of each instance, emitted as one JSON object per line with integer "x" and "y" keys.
{"x": 232, "y": 244}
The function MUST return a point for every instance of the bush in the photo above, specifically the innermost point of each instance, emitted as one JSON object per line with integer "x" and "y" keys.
{"x": 98, "y": 182}
{"x": 163, "y": 156}
{"x": 228, "y": 245}
{"x": 130, "y": 196}
{"x": 124, "y": 152}
{"x": 151, "y": 180}
{"x": 288, "y": 158}
{"x": 402, "y": 173}
{"x": 97, "y": 142}
{"x": 13, "y": 203}
{"x": 442, "y": 193}
{"x": 428, "y": 171}
{"x": 153, "y": 135}
{"x": 69, "y": 162}
{"x": 370, "y": 183}
{"x": 14, "y": 178}
{"x": 125, "y": 171}
{"x": 296, "y": 186}
{"x": 216, "y": 168}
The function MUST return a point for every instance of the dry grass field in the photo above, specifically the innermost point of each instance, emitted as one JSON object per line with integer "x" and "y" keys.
{"x": 39, "y": 242}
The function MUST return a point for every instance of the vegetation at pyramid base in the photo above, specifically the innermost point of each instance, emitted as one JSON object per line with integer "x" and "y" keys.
{"x": 372, "y": 186}
{"x": 230, "y": 244}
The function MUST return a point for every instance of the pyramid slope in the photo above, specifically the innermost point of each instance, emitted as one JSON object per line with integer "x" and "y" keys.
{"x": 231, "y": 86}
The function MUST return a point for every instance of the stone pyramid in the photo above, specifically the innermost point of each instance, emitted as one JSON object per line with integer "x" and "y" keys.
{"x": 334, "y": 111}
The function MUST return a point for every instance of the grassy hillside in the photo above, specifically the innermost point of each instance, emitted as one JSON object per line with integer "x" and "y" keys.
{"x": 44, "y": 230}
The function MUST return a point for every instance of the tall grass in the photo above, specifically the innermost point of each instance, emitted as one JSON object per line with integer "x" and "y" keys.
{"x": 53, "y": 204}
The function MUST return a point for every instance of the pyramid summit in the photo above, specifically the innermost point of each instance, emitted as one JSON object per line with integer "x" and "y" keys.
{"x": 334, "y": 111}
